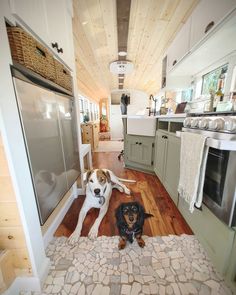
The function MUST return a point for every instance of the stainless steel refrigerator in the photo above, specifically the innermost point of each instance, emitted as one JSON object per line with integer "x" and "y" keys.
{"x": 49, "y": 128}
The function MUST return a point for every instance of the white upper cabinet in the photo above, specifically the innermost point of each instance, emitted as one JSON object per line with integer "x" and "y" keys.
{"x": 32, "y": 14}
{"x": 179, "y": 47}
{"x": 59, "y": 25}
{"x": 49, "y": 20}
{"x": 207, "y": 14}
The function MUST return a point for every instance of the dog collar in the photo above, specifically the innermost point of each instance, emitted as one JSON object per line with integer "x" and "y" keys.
{"x": 101, "y": 199}
{"x": 130, "y": 232}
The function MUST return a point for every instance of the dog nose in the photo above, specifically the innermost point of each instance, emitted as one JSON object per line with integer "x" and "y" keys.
{"x": 97, "y": 191}
{"x": 131, "y": 218}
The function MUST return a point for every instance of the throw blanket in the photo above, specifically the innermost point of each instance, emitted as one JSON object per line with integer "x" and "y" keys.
{"x": 193, "y": 157}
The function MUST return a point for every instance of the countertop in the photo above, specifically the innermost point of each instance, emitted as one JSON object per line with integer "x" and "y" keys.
{"x": 182, "y": 115}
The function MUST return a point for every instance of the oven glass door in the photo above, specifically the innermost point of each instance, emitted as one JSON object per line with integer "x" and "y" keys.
{"x": 217, "y": 163}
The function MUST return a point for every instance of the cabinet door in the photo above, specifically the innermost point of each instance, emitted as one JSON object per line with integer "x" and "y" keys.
{"x": 160, "y": 155}
{"x": 95, "y": 135}
{"x": 146, "y": 145}
{"x": 172, "y": 164}
{"x": 59, "y": 28}
{"x": 133, "y": 149}
{"x": 179, "y": 47}
{"x": 215, "y": 237}
{"x": 140, "y": 149}
{"x": 206, "y": 12}
{"x": 32, "y": 14}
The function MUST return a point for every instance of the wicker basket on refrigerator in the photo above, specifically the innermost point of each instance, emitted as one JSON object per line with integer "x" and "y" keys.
{"x": 63, "y": 76}
{"x": 28, "y": 52}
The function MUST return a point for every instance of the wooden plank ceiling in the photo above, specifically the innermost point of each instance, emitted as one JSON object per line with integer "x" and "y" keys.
{"x": 152, "y": 26}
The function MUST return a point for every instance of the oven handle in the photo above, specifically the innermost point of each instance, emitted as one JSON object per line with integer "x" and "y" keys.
{"x": 219, "y": 144}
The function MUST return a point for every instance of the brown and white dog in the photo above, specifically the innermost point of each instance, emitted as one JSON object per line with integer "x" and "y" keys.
{"x": 99, "y": 185}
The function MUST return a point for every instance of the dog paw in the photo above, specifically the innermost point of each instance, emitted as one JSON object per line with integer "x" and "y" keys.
{"x": 141, "y": 243}
{"x": 93, "y": 233}
{"x": 127, "y": 191}
{"x": 122, "y": 244}
{"x": 74, "y": 238}
{"x": 120, "y": 189}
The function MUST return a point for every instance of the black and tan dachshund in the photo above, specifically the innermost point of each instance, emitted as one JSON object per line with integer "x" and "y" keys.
{"x": 130, "y": 219}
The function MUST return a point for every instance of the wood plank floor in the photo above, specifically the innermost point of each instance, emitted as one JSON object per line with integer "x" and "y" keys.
{"x": 148, "y": 190}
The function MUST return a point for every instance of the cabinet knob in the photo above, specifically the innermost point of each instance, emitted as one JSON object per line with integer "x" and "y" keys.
{"x": 60, "y": 50}
{"x": 55, "y": 45}
{"x": 136, "y": 142}
{"x": 209, "y": 27}
{"x": 140, "y": 143}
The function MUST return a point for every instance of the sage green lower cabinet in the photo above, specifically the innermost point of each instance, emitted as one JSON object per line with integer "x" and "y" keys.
{"x": 160, "y": 157}
{"x": 216, "y": 237}
{"x": 139, "y": 152}
{"x": 167, "y": 157}
{"x": 171, "y": 179}
{"x": 231, "y": 272}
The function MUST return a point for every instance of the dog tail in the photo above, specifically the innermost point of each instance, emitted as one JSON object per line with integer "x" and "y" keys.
{"x": 147, "y": 215}
{"x": 127, "y": 180}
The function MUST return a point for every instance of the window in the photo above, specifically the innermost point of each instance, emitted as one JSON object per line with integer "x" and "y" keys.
{"x": 88, "y": 110}
{"x": 215, "y": 80}
{"x": 81, "y": 108}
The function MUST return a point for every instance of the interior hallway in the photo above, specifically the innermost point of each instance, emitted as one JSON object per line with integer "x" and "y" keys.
{"x": 148, "y": 190}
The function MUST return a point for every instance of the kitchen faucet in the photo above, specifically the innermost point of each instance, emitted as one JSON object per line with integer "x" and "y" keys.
{"x": 151, "y": 97}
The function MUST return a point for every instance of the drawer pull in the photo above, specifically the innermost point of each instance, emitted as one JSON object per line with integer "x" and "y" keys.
{"x": 60, "y": 50}
{"x": 140, "y": 143}
{"x": 10, "y": 237}
{"x": 174, "y": 62}
{"x": 55, "y": 45}
{"x": 209, "y": 27}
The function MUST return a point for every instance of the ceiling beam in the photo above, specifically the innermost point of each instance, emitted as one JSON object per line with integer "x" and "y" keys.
{"x": 123, "y": 14}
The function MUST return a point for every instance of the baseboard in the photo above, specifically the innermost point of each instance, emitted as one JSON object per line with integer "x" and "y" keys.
{"x": 23, "y": 284}
{"x": 80, "y": 191}
{"x": 48, "y": 235}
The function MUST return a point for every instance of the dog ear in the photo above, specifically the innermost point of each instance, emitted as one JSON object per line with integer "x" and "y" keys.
{"x": 119, "y": 214}
{"x": 87, "y": 175}
{"x": 108, "y": 176}
{"x": 141, "y": 214}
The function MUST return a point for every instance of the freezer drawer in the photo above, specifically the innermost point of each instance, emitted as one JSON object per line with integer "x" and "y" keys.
{"x": 50, "y": 134}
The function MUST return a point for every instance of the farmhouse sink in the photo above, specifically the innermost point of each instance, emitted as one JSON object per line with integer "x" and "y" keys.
{"x": 141, "y": 125}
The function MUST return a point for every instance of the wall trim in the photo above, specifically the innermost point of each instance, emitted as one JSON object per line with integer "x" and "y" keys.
{"x": 48, "y": 235}
{"x": 24, "y": 284}
{"x": 80, "y": 192}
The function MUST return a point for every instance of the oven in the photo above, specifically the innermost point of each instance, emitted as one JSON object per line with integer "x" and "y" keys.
{"x": 219, "y": 191}
{"x": 219, "y": 185}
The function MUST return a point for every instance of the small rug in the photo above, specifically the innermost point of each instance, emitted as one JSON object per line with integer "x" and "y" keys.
{"x": 110, "y": 146}
{"x": 166, "y": 265}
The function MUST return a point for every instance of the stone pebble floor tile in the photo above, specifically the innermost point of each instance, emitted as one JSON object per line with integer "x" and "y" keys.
{"x": 166, "y": 265}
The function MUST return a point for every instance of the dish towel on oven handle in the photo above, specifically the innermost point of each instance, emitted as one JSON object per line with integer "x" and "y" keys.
{"x": 193, "y": 158}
